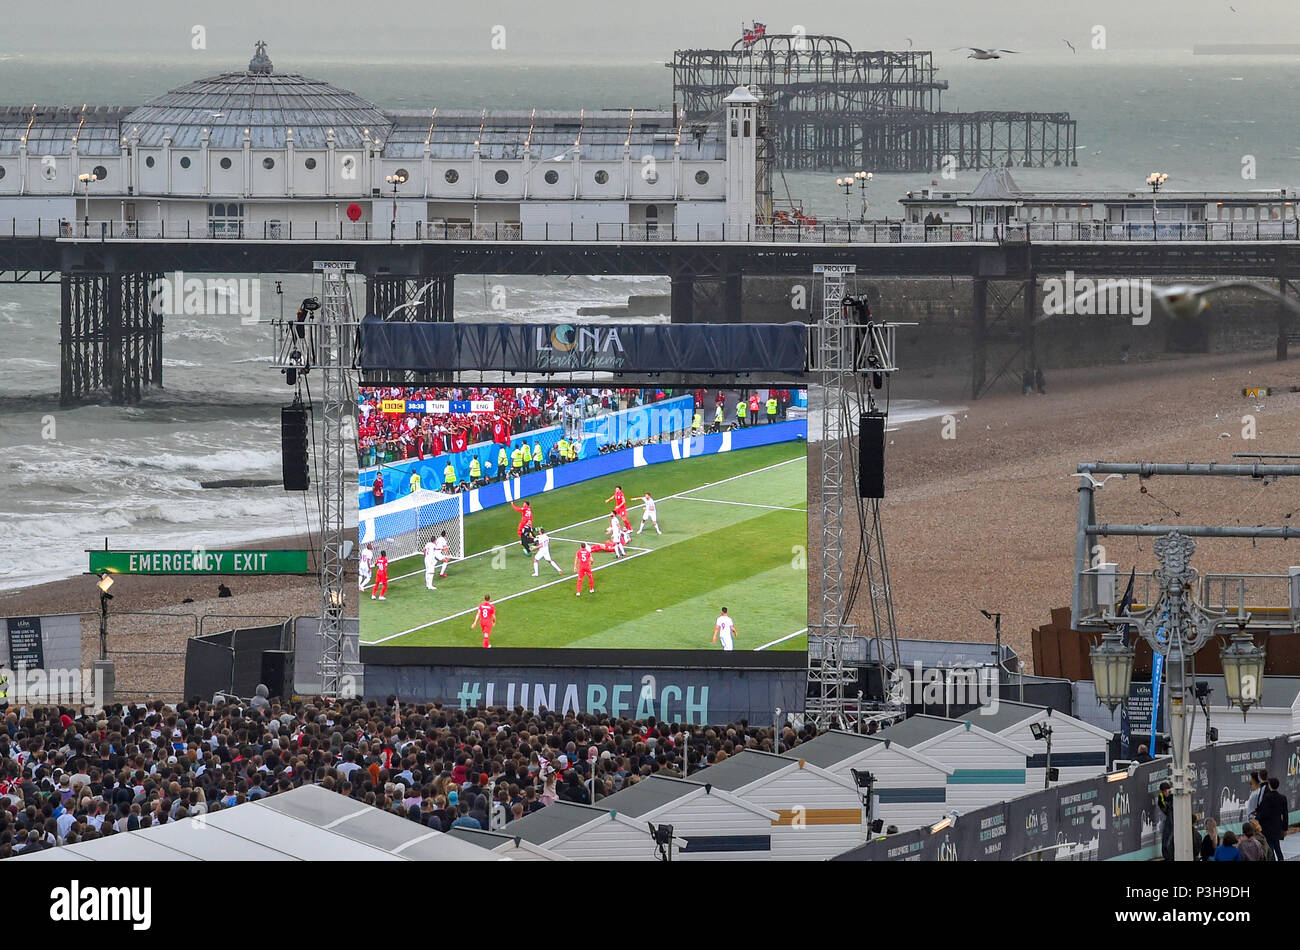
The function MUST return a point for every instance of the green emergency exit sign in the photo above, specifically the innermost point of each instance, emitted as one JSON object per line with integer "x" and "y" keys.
{"x": 198, "y": 561}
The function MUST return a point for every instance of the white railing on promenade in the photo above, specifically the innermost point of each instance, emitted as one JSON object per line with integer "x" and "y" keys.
{"x": 873, "y": 232}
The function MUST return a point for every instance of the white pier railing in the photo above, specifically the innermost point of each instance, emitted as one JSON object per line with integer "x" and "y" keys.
{"x": 872, "y": 232}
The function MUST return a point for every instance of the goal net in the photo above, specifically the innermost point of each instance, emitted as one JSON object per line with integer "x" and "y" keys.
{"x": 402, "y": 527}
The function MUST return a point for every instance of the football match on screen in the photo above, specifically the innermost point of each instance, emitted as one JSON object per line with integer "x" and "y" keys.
{"x": 486, "y": 516}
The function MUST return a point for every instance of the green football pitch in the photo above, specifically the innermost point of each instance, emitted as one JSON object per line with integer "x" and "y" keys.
{"x": 735, "y": 530}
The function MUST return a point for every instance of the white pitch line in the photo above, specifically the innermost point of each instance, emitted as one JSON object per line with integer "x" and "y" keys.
{"x": 502, "y": 600}
{"x": 788, "y": 636}
{"x": 746, "y": 504}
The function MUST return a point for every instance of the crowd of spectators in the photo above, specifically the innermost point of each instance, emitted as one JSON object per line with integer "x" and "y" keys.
{"x": 67, "y": 777}
{"x": 405, "y": 435}
{"x": 392, "y": 436}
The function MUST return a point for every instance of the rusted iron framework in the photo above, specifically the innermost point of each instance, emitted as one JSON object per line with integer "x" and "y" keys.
{"x": 836, "y": 107}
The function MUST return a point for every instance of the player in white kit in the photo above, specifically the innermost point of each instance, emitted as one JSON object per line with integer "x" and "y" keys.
{"x": 649, "y": 513}
{"x": 442, "y": 551}
{"x": 618, "y": 534}
{"x": 543, "y": 552}
{"x": 725, "y": 628}
{"x": 430, "y": 563}
{"x": 365, "y": 564}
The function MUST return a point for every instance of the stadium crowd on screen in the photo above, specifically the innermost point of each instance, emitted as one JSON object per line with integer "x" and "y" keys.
{"x": 67, "y": 777}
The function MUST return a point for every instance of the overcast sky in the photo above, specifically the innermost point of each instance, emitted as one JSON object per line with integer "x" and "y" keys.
{"x": 613, "y": 28}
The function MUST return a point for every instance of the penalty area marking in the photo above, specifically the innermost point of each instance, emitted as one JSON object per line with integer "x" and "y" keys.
{"x": 531, "y": 590}
{"x": 684, "y": 495}
{"x": 788, "y": 636}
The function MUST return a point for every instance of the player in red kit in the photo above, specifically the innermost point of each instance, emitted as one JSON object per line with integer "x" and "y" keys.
{"x": 582, "y": 564}
{"x": 381, "y": 576}
{"x": 485, "y": 616}
{"x": 525, "y": 520}
{"x": 620, "y": 505}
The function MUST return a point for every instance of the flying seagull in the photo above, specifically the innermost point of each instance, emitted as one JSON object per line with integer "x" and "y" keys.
{"x": 909, "y": 41}
{"x": 1069, "y": 44}
{"x": 977, "y": 53}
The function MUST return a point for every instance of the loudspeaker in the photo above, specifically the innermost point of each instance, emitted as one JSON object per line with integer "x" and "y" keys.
{"x": 871, "y": 455}
{"x": 275, "y": 670}
{"x": 294, "y": 421}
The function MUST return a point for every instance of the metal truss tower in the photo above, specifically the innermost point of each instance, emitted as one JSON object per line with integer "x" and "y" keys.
{"x": 337, "y": 335}
{"x": 323, "y": 341}
{"x": 849, "y": 358}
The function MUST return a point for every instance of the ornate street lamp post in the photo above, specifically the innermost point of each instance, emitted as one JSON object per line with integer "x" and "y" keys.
{"x": 395, "y": 180}
{"x": 1176, "y": 627}
{"x": 863, "y": 179}
{"x": 847, "y": 185}
{"x": 1154, "y": 181}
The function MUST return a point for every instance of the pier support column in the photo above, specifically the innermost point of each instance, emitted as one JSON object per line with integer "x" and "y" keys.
{"x": 733, "y": 298}
{"x": 447, "y": 299}
{"x": 1030, "y": 302}
{"x": 386, "y": 292}
{"x": 1285, "y": 321}
{"x": 979, "y": 314}
{"x": 109, "y": 338}
{"x": 682, "y": 299}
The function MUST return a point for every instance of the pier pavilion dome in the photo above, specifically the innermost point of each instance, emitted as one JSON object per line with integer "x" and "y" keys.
{"x": 264, "y": 102}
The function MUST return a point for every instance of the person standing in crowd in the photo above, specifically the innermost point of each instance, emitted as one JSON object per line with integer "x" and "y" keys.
{"x": 1227, "y": 849}
{"x": 415, "y": 482}
{"x": 537, "y": 455}
{"x": 377, "y": 489}
{"x": 475, "y": 471}
{"x": 1273, "y": 813}
{"x": 449, "y": 477}
{"x": 1165, "y": 801}
{"x": 1210, "y": 841}
{"x": 771, "y": 407}
{"x": 1250, "y": 845}
{"x": 1040, "y": 381}
{"x": 753, "y": 408}
{"x": 719, "y": 416}
{"x": 740, "y": 411}
{"x": 503, "y": 463}
{"x": 1257, "y": 780}
{"x": 526, "y": 453}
